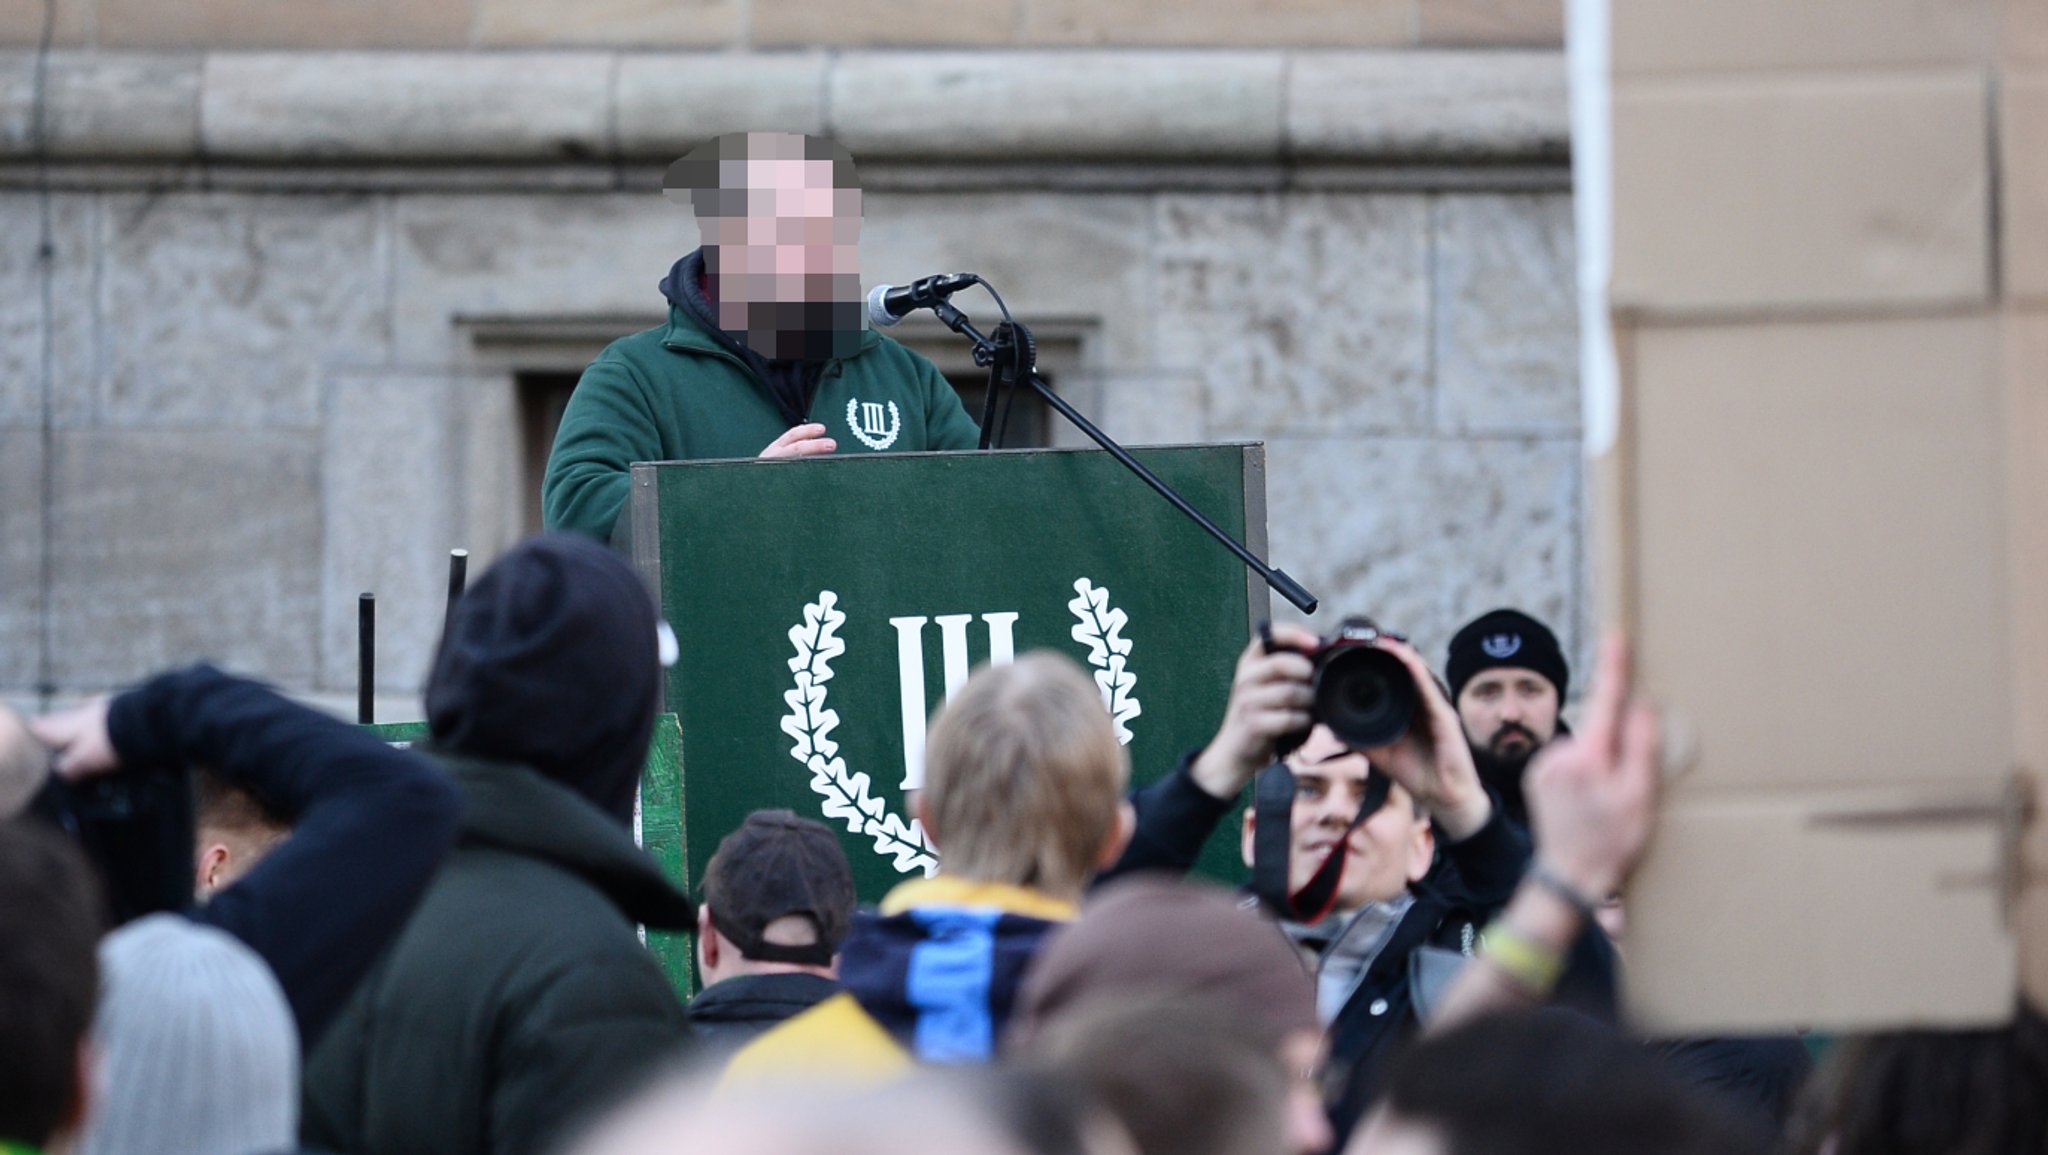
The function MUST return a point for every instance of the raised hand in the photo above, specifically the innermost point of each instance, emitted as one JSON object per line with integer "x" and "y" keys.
{"x": 1432, "y": 760}
{"x": 1593, "y": 795}
{"x": 1269, "y": 698}
{"x": 78, "y": 737}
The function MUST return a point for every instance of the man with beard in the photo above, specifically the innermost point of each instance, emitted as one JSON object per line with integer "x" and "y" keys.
{"x": 766, "y": 351}
{"x": 1508, "y": 680}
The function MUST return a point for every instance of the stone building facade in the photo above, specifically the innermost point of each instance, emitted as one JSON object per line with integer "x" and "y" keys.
{"x": 313, "y": 282}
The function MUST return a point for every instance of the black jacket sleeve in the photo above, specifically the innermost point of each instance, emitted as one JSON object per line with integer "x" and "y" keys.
{"x": 1174, "y": 818}
{"x": 1483, "y": 870}
{"x": 370, "y": 825}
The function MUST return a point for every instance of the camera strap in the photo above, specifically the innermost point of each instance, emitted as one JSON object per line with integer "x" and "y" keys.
{"x": 1273, "y": 845}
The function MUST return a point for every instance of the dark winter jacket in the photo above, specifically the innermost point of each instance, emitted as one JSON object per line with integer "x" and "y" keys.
{"x": 370, "y": 825}
{"x": 519, "y": 999}
{"x": 729, "y": 1014}
{"x": 1451, "y": 907}
{"x": 683, "y": 391}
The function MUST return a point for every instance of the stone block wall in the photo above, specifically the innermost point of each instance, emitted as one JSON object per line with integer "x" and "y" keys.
{"x": 277, "y": 383}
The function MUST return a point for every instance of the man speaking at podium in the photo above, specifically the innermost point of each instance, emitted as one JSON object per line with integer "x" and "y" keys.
{"x": 766, "y": 352}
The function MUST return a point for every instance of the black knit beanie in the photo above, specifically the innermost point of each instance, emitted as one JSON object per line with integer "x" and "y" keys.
{"x": 550, "y": 660}
{"x": 1505, "y": 638}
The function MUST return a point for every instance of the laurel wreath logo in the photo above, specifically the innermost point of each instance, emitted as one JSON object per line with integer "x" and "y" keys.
{"x": 810, "y": 723}
{"x": 1101, "y": 629}
{"x": 848, "y": 795}
{"x": 877, "y": 440}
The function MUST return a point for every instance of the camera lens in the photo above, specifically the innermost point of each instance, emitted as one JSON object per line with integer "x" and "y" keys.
{"x": 1365, "y": 696}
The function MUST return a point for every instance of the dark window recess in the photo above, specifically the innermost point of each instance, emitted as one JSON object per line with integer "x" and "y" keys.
{"x": 543, "y": 396}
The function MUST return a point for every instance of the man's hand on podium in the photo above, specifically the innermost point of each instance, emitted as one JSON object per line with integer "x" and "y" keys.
{"x": 1269, "y": 697}
{"x": 801, "y": 441}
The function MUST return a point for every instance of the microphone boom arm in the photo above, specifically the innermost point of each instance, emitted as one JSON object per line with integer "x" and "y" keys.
{"x": 989, "y": 353}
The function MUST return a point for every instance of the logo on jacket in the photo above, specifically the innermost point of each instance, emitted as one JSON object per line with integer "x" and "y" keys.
{"x": 864, "y": 418}
{"x": 848, "y": 795}
{"x": 1498, "y": 646}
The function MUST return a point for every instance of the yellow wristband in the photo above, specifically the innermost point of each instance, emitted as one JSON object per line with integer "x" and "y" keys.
{"x": 1534, "y": 967}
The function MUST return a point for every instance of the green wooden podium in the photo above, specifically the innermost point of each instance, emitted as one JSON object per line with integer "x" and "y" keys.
{"x": 825, "y": 608}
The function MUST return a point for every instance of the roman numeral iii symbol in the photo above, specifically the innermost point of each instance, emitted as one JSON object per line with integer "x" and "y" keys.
{"x": 872, "y": 420}
{"x": 1002, "y": 650}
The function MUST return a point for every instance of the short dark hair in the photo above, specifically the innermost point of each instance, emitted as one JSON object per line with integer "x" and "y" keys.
{"x": 50, "y": 923}
{"x": 220, "y": 804}
{"x": 702, "y": 171}
{"x": 1550, "y": 1080}
{"x": 1903, "y": 1092}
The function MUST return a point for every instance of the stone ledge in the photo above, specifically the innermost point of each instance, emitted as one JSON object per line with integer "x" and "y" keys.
{"x": 1438, "y": 105}
{"x": 142, "y": 106}
{"x": 996, "y": 106}
{"x": 1059, "y": 105}
{"x": 416, "y": 106}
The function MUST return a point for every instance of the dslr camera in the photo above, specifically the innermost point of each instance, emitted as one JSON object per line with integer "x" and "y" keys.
{"x": 1364, "y": 694}
{"x": 136, "y": 827}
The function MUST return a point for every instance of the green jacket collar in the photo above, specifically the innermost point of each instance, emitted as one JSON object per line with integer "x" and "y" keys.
{"x": 513, "y": 808}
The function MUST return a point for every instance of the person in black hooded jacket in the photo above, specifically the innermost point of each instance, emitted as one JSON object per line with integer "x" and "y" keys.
{"x": 519, "y": 999}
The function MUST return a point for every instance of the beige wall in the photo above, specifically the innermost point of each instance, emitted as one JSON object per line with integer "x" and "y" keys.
{"x": 1827, "y": 500}
{"x": 772, "y": 24}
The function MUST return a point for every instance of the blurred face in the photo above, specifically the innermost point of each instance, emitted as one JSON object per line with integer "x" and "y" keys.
{"x": 1308, "y": 1126}
{"x": 782, "y": 247}
{"x": 1385, "y": 1133}
{"x": 798, "y": 234}
{"x": 1508, "y": 713}
{"x": 1387, "y": 851}
{"x": 781, "y": 242}
{"x": 22, "y": 762}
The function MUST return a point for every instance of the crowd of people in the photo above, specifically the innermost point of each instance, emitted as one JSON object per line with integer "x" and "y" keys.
{"x": 232, "y": 925}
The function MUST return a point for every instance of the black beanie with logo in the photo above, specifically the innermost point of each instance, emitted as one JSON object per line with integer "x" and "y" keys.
{"x": 1505, "y": 639}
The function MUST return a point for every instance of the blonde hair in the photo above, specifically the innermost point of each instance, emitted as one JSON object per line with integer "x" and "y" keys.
{"x": 1023, "y": 776}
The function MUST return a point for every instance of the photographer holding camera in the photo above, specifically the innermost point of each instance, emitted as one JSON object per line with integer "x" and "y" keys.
{"x": 1414, "y": 855}
{"x": 370, "y": 823}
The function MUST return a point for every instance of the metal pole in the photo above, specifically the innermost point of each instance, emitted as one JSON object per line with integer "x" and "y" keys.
{"x": 366, "y": 658}
{"x": 458, "y": 579}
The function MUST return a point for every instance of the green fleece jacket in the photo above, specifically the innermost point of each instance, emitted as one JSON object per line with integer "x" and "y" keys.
{"x": 674, "y": 393}
{"x": 518, "y": 1001}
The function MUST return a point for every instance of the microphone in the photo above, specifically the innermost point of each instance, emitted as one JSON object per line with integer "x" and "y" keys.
{"x": 888, "y": 304}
